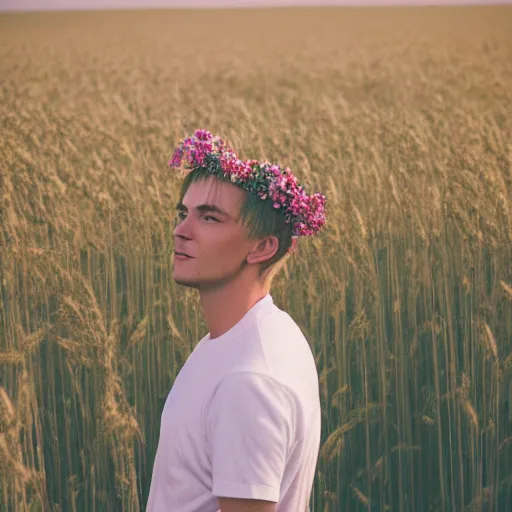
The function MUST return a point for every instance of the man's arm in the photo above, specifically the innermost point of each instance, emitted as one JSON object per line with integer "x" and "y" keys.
{"x": 245, "y": 505}
{"x": 249, "y": 430}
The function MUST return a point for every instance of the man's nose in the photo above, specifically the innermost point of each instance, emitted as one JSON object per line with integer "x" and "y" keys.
{"x": 183, "y": 229}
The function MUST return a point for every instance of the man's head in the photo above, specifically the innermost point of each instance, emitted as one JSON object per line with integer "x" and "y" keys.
{"x": 247, "y": 236}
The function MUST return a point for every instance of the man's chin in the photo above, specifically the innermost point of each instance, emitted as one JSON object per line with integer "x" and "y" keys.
{"x": 202, "y": 286}
{"x": 189, "y": 283}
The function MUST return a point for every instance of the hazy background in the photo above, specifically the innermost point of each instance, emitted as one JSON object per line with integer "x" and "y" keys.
{"x": 402, "y": 117}
{"x": 19, "y": 5}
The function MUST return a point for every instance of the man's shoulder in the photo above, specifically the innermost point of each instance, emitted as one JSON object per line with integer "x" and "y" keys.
{"x": 276, "y": 321}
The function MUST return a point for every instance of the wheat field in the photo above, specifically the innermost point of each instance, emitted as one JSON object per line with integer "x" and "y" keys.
{"x": 401, "y": 117}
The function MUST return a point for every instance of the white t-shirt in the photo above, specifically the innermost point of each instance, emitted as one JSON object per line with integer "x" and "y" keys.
{"x": 242, "y": 419}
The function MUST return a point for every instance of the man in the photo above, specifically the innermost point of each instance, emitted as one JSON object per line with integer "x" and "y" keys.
{"x": 240, "y": 430}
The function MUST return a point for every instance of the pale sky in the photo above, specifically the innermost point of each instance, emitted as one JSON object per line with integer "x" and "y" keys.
{"x": 23, "y": 5}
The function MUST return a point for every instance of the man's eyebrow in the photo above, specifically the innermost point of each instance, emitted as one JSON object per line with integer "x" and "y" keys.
{"x": 203, "y": 208}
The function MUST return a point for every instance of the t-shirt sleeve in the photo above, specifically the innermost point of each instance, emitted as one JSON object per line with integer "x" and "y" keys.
{"x": 249, "y": 433}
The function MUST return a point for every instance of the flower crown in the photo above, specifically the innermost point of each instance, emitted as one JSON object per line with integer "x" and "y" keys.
{"x": 267, "y": 181}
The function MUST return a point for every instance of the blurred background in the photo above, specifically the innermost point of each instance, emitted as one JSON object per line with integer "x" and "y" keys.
{"x": 400, "y": 115}
{"x": 17, "y": 5}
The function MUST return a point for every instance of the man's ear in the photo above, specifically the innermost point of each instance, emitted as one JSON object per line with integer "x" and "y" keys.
{"x": 264, "y": 250}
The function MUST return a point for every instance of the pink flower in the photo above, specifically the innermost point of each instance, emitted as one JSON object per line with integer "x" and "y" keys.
{"x": 306, "y": 213}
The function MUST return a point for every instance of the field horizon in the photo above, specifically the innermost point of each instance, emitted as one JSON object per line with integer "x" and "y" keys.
{"x": 123, "y": 5}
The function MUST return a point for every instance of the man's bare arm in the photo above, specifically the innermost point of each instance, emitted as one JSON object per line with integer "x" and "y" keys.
{"x": 245, "y": 505}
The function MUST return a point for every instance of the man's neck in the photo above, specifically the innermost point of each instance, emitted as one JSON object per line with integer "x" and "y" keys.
{"x": 224, "y": 308}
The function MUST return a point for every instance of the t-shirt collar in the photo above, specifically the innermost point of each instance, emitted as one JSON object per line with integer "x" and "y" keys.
{"x": 241, "y": 325}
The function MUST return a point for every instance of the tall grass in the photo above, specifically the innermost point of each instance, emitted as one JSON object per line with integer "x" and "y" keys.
{"x": 401, "y": 117}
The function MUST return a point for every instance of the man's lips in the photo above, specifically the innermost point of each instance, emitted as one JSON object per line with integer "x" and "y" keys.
{"x": 178, "y": 253}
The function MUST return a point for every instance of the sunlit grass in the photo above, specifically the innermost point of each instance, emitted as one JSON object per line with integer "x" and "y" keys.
{"x": 401, "y": 117}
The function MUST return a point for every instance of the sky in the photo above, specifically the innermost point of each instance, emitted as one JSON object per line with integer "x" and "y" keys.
{"x": 24, "y": 5}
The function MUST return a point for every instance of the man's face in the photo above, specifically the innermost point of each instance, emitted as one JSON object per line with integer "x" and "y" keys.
{"x": 208, "y": 230}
